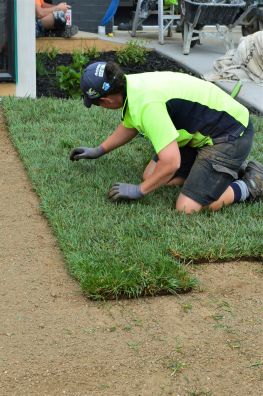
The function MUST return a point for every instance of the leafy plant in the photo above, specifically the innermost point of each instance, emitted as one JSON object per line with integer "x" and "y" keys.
{"x": 69, "y": 76}
{"x": 69, "y": 80}
{"x": 92, "y": 53}
{"x": 40, "y": 65}
{"x": 133, "y": 53}
{"x": 79, "y": 60}
{"x": 176, "y": 367}
{"x": 52, "y": 53}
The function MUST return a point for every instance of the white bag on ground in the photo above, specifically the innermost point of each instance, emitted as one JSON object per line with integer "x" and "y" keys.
{"x": 245, "y": 63}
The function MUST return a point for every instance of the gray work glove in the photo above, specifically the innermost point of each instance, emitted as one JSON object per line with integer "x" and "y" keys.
{"x": 124, "y": 191}
{"x": 86, "y": 153}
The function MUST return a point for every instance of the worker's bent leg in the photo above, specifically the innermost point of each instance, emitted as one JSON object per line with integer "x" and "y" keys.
{"x": 227, "y": 198}
{"x": 175, "y": 181}
{"x": 214, "y": 170}
{"x": 188, "y": 156}
{"x": 187, "y": 205}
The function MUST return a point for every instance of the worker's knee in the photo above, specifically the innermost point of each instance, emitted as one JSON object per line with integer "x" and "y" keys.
{"x": 215, "y": 206}
{"x": 187, "y": 205}
{"x": 187, "y": 209}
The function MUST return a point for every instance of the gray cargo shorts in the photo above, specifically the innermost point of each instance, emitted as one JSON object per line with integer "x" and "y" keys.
{"x": 216, "y": 167}
{"x": 39, "y": 28}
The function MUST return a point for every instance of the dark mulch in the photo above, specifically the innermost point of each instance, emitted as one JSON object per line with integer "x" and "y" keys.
{"x": 47, "y": 84}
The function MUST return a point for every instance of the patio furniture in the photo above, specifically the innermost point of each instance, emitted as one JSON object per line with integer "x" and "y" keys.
{"x": 224, "y": 14}
{"x": 166, "y": 16}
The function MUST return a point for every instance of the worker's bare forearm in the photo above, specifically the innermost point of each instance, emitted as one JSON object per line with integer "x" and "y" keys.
{"x": 163, "y": 172}
{"x": 169, "y": 162}
{"x": 119, "y": 137}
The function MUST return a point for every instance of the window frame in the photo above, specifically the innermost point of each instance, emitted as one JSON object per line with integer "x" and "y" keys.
{"x": 10, "y": 73}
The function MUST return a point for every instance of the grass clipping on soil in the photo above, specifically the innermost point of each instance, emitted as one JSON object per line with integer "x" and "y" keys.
{"x": 126, "y": 249}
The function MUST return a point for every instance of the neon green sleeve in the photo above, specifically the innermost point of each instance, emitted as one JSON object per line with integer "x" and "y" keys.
{"x": 157, "y": 126}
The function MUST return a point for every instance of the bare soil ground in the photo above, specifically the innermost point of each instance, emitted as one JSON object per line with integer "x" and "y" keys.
{"x": 53, "y": 341}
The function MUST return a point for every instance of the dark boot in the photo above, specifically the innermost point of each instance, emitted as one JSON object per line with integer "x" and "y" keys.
{"x": 253, "y": 178}
{"x": 242, "y": 169}
{"x": 128, "y": 26}
{"x": 70, "y": 31}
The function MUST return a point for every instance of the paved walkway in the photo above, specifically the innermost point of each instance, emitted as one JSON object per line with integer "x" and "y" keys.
{"x": 200, "y": 60}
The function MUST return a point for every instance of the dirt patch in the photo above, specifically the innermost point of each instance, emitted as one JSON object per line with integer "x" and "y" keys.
{"x": 55, "y": 342}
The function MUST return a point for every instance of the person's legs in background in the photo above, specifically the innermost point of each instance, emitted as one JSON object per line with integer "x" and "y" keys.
{"x": 47, "y": 22}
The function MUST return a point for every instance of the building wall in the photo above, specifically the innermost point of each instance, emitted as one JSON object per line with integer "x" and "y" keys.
{"x": 88, "y": 14}
{"x": 26, "y": 49}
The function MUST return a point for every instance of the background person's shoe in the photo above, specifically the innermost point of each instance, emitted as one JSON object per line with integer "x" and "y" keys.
{"x": 128, "y": 26}
{"x": 67, "y": 32}
{"x": 253, "y": 178}
{"x": 70, "y": 31}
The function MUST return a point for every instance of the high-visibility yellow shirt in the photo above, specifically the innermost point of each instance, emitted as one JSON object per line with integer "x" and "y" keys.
{"x": 168, "y": 106}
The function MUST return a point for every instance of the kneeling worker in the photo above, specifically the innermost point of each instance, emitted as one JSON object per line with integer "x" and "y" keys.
{"x": 201, "y": 135}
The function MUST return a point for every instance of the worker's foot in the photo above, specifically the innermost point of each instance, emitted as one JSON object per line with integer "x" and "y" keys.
{"x": 242, "y": 169}
{"x": 253, "y": 178}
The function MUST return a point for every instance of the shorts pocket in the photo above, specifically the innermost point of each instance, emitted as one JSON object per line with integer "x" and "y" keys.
{"x": 223, "y": 169}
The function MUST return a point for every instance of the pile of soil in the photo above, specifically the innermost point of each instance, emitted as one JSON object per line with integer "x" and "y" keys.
{"x": 47, "y": 84}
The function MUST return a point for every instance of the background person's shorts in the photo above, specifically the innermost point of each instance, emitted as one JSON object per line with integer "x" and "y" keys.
{"x": 39, "y": 28}
{"x": 216, "y": 167}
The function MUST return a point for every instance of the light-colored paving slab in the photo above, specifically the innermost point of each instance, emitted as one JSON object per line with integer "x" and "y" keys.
{"x": 200, "y": 59}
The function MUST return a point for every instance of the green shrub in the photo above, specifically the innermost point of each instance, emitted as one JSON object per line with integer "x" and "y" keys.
{"x": 52, "y": 53}
{"x": 69, "y": 76}
{"x": 69, "y": 80}
{"x": 40, "y": 65}
{"x": 133, "y": 53}
{"x": 79, "y": 59}
{"x": 92, "y": 53}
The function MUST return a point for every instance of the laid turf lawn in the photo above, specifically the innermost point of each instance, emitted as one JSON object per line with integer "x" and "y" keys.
{"x": 126, "y": 249}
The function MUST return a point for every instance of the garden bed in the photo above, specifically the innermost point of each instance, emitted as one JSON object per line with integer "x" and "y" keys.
{"x": 47, "y": 83}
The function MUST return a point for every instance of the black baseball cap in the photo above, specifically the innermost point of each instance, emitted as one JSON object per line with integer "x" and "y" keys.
{"x": 94, "y": 83}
